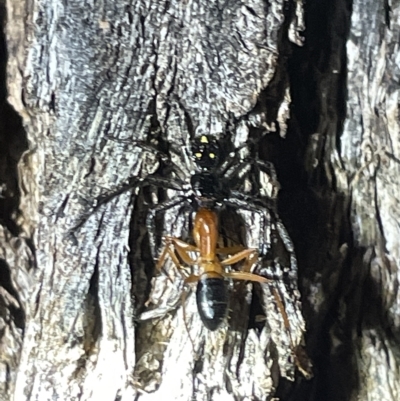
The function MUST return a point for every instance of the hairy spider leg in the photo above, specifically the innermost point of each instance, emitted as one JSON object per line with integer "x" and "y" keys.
{"x": 231, "y": 161}
{"x": 164, "y": 157}
{"x": 238, "y": 202}
{"x": 133, "y": 183}
{"x": 245, "y": 163}
{"x": 151, "y": 216}
{"x": 267, "y": 166}
{"x": 257, "y": 209}
{"x": 239, "y": 164}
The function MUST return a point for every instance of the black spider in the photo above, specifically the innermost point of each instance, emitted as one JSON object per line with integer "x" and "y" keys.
{"x": 211, "y": 173}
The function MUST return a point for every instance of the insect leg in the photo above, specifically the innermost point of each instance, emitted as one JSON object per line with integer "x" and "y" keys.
{"x": 251, "y": 256}
{"x": 168, "y": 250}
{"x": 173, "y": 245}
{"x": 248, "y": 254}
{"x": 183, "y": 249}
{"x": 192, "y": 279}
{"x": 300, "y": 357}
{"x": 183, "y": 301}
{"x": 247, "y": 277}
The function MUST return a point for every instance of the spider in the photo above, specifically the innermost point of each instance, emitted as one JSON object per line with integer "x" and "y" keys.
{"x": 210, "y": 174}
{"x": 211, "y": 177}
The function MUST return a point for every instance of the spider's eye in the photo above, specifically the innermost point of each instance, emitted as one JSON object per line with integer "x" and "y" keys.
{"x": 205, "y": 152}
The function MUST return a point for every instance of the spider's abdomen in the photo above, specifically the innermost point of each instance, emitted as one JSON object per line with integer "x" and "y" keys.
{"x": 212, "y": 301}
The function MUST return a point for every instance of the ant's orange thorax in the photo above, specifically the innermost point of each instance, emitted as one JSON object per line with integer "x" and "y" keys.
{"x": 205, "y": 233}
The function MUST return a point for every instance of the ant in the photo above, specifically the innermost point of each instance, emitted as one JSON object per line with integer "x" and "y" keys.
{"x": 212, "y": 286}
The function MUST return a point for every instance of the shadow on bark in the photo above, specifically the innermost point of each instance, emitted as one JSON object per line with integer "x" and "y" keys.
{"x": 317, "y": 216}
{"x": 13, "y": 142}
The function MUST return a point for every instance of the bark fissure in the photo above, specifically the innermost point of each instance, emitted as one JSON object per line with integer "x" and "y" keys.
{"x": 105, "y": 98}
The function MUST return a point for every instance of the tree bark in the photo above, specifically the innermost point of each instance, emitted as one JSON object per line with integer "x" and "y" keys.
{"x": 344, "y": 226}
{"x": 83, "y": 314}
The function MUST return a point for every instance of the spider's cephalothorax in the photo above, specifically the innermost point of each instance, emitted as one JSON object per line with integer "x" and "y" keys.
{"x": 207, "y": 182}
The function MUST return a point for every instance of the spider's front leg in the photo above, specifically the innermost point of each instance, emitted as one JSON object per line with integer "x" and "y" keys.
{"x": 236, "y": 176}
{"x": 103, "y": 199}
{"x": 132, "y": 184}
{"x": 151, "y": 218}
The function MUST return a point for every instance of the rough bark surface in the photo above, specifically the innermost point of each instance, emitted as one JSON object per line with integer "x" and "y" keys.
{"x": 345, "y": 225}
{"x": 83, "y": 315}
{"x": 88, "y": 81}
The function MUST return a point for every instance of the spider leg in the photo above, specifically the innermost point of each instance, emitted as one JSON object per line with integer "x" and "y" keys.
{"x": 236, "y": 168}
{"x": 231, "y": 161}
{"x": 153, "y": 149}
{"x": 166, "y": 183}
{"x": 245, "y": 164}
{"x": 238, "y": 201}
{"x": 150, "y": 219}
{"x": 105, "y": 198}
{"x": 133, "y": 183}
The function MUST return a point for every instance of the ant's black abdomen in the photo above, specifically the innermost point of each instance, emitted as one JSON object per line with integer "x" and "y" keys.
{"x": 212, "y": 301}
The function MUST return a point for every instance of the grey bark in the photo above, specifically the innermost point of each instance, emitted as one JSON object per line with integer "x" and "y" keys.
{"x": 84, "y": 316}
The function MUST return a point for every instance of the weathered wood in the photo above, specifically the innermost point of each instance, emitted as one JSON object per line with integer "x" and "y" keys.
{"x": 370, "y": 156}
{"x": 75, "y": 326}
{"x": 344, "y": 225}
{"x": 78, "y": 75}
